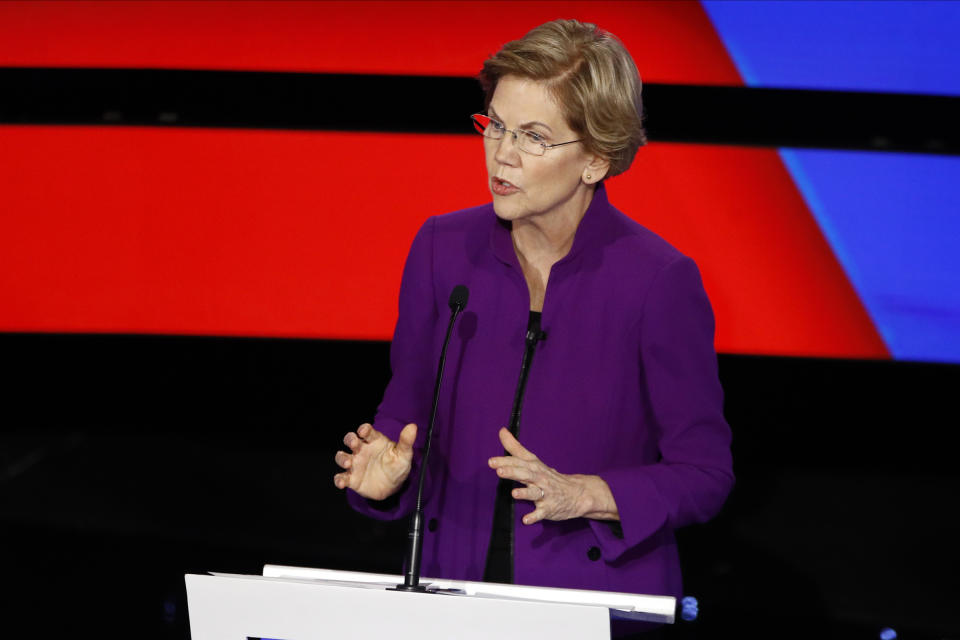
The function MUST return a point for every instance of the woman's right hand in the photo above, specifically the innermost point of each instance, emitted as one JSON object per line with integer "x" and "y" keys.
{"x": 376, "y": 465}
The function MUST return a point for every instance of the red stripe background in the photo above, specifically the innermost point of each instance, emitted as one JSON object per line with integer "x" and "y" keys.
{"x": 224, "y": 232}
{"x": 671, "y": 41}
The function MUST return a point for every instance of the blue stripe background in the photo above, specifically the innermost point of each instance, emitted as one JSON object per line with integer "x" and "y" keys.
{"x": 892, "y": 219}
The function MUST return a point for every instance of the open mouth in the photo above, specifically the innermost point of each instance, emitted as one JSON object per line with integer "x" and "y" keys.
{"x": 503, "y": 187}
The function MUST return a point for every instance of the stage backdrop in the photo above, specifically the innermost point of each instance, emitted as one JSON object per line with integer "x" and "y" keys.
{"x": 241, "y": 229}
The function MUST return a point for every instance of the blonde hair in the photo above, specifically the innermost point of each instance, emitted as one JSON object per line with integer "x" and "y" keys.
{"x": 591, "y": 76}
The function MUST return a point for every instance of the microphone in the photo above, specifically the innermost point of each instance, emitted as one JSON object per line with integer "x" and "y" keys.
{"x": 533, "y": 336}
{"x": 411, "y": 579}
{"x": 458, "y": 298}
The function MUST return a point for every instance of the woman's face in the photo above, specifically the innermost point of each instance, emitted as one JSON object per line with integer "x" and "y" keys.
{"x": 524, "y": 185}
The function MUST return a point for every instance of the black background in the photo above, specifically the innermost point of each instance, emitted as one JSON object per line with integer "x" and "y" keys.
{"x": 130, "y": 460}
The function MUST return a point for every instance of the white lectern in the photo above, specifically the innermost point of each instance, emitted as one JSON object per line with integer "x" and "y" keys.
{"x": 293, "y": 603}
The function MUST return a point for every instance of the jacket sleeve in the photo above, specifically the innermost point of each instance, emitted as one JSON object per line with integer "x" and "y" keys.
{"x": 408, "y": 394}
{"x": 694, "y": 474}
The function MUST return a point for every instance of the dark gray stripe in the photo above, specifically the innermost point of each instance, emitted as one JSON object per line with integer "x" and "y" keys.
{"x": 425, "y": 104}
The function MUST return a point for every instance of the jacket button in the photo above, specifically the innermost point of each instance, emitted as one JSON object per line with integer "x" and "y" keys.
{"x": 432, "y": 525}
{"x": 593, "y": 553}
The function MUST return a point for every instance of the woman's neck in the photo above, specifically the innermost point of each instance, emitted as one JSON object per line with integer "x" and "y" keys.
{"x": 541, "y": 241}
{"x": 545, "y": 239}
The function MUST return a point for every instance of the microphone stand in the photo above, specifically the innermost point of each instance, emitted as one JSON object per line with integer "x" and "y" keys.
{"x": 411, "y": 578}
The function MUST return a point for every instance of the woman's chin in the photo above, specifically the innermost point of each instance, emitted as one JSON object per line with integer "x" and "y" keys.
{"x": 506, "y": 210}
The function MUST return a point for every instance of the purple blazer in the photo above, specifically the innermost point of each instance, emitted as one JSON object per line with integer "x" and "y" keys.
{"x": 625, "y": 386}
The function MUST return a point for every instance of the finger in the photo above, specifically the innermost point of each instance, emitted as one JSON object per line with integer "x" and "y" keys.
{"x": 513, "y": 446}
{"x": 342, "y": 480}
{"x": 343, "y": 459}
{"x": 406, "y": 439}
{"x": 506, "y": 461}
{"x": 367, "y": 433}
{"x": 534, "y": 516}
{"x": 530, "y": 492}
{"x": 519, "y": 473}
{"x": 352, "y": 441}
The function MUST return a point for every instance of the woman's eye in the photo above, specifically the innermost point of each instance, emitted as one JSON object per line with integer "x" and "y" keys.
{"x": 535, "y": 137}
{"x": 496, "y": 125}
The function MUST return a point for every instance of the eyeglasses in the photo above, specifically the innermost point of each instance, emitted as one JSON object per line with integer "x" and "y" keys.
{"x": 527, "y": 141}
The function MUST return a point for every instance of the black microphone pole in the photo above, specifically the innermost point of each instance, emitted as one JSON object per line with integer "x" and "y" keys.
{"x": 533, "y": 336}
{"x": 411, "y": 579}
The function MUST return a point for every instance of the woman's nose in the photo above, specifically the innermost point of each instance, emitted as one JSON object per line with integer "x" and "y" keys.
{"x": 507, "y": 151}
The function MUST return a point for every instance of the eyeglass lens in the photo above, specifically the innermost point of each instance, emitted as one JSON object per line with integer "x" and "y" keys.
{"x": 490, "y": 128}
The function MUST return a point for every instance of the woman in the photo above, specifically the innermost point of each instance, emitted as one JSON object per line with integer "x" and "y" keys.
{"x": 623, "y": 438}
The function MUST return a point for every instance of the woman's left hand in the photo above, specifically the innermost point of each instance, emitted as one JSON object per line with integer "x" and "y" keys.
{"x": 556, "y": 496}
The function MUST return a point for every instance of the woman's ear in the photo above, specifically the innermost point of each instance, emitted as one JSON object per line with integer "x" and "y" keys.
{"x": 596, "y": 170}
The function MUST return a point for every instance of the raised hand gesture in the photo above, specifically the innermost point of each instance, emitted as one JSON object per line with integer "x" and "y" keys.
{"x": 376, "y": 465}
